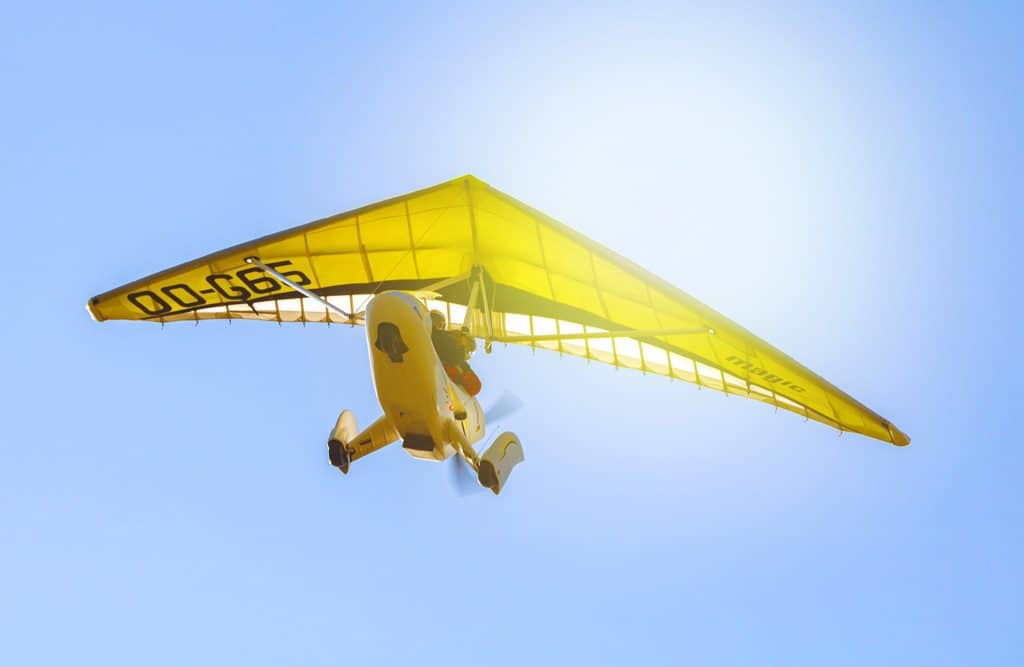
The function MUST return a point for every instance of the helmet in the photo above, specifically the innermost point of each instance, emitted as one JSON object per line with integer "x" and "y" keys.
{"x": 437, "y": 318}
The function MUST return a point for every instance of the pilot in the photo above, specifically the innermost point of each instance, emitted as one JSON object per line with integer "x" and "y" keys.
{"x": 453, "y": 349}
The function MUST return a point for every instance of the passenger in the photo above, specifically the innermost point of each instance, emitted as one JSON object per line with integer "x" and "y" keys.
{"x": 453, "y": 350}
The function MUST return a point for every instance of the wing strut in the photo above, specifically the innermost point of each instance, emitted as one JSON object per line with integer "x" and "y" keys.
{"x": 474, "y": 294}
{"x": 300, "y": 289}
{"x": 479, "y": 271}
{"x": 478, "y": 301}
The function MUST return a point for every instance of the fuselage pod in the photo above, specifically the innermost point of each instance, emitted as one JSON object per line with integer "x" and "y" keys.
{"x": 411, "y": 384}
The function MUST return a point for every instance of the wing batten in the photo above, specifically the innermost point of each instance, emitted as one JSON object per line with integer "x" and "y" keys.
{"x": 699, "y": 373}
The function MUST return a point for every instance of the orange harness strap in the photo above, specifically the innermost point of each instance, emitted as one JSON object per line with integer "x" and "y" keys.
{"x": 467, "y": 379}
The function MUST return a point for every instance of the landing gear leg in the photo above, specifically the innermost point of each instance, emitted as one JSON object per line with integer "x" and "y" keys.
{"x": 494, "y": 466}
{"x": 346, "y": 443}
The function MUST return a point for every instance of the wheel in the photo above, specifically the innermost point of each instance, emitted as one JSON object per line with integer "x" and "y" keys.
{"x": 338, "y": 455}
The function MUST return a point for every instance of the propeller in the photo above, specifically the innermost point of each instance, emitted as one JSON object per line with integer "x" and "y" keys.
{"x": 463, "y": 477}
{"x": 507, "y": 404}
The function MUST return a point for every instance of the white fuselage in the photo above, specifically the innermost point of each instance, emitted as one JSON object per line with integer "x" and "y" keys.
{"x": 413, "y": 389}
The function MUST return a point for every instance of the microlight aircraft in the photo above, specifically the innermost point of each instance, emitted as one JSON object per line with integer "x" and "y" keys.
{"x": 509, "y": 274}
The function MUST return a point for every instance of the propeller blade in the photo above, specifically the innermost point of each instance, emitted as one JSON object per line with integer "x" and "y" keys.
{"x": 463, "y": 478}
{"x": 507, "y": 404}
{"x": 462, "y": 475}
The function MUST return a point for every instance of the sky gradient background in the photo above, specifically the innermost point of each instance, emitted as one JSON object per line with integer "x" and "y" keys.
{"x": 846, "y": 184}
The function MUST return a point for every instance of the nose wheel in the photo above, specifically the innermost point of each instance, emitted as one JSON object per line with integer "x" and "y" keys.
{"x": 339, "y": 455}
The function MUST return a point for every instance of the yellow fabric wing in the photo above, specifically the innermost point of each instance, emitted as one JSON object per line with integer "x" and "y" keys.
{"x": 397, "y": 244}
{"x": 543, "y": 283}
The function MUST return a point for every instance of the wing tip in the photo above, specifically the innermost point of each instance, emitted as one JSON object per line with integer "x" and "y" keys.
{"x": 898, "y": 437}
{"x": 94, "y": 313}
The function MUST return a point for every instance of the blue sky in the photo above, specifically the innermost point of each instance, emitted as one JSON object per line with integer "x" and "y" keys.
{"x": 845, "y": 183}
